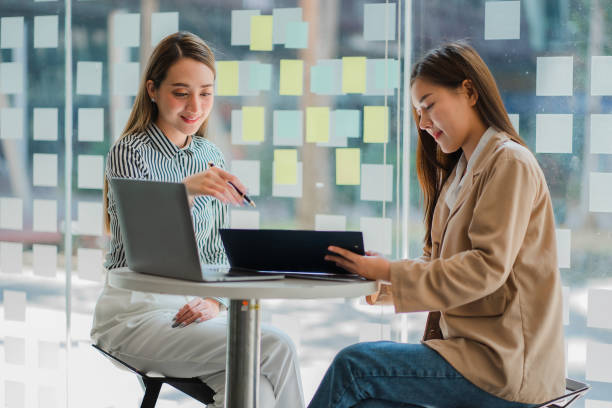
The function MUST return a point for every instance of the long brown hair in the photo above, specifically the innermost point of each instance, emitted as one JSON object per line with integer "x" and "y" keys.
{"x": 171, "y": 49}
{"x": 448, "y": 66}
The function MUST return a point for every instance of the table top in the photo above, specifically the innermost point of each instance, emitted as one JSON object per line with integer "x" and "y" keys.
{"x": 289, "y": 288}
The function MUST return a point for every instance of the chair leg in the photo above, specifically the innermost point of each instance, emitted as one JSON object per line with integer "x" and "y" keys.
{"x": 151, "y": 393}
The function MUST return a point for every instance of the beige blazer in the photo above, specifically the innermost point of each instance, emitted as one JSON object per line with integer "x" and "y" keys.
{"x": 492, "y": 274}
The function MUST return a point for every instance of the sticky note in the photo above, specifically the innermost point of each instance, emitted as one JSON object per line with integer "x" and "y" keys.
{"x": 379, "y": 21}
{"x": 48, "y": 354}
{"x": 600, "y": 192}
{"x": 564, "y": 246}
{"x": 46, "y": 31}
{"x": 44, "y": 167}
{"x": 297, "y": 34}
{"x": 162, "y": 25}
{"x": 502, "y": 20}
{"x": 125, "y": 78}
{"x": 227, "y": 78}
{"x": 11, "y": 257}
{"x": 566, "y": 306}
{"x": 90, "y": 125}
{"x": 45, "y": 260}
{"x": 288, "y": 127}
{"x": 90, "y": 171}
{"x": 282, "y": 17}
{"x": 44, "y": 215}
{"x": 259, "y": 76}
{"x": 317, "y": 124}
{"x": 285, "y": 163}
{"x": 599, "y": 306}
{"x": 45, "y": 124}
{"x": 335, "y": 139}
{"x": 11, "y": 77}
{"x": 11, "y": 123}
{"x": 377, "y": 182}
{"x": 347, "y": 122}
{"x": 288, "y": 190}
{"x": 601, "y": 134}
{"x": 11, "y": 32}
{"x": 326, "y": 77}
{"x": 14, "y": 394}
{"x": 353, "y": 74}
{"x": 236, "y": 125}
{"x": 348, "y": 161}
{"x": 244, "y": 219}
{"x": 598, "y": 362}
{"x": 601, "y": 80}
{"x": 120, "y": 119}
{"x": 376, "y": 234}
{"x": 514, "y": 119}
{"x": 261, "y": 33}
{"x": 245, "y": 86}
{"x": 375, "y": 124}
{"x": 248, "y": 171}
{"x": 241, "y": 26}
{"x": 555, "y": 76}
{"x": 90, "y": 262}
{"x": 11, "y": 213}
{"x": 89, "y": 78}
{"x": 126, "y": 30}
{"x": 328, "y": 222}
{"x": 253, "y": 123}
{"x": 291, "y": 77}
{"x": 90, "y": 218}
{"x": 382, "y": 76}
{"x": 14, "y": 305}
{"x": 554, "y": 133}
{"x": 14, "y": 350}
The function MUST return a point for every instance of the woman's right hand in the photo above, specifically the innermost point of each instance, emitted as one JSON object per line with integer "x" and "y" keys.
{"x": 215, "y": 182}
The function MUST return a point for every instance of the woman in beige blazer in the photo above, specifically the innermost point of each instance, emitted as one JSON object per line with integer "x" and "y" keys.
{"x": 488, "y": 274}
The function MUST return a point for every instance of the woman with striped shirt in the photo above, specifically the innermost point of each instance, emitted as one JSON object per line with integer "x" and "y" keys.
{"x": 163, "y": 140}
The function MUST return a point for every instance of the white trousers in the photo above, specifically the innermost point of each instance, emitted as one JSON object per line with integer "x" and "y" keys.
{"x": 149, "y": 343}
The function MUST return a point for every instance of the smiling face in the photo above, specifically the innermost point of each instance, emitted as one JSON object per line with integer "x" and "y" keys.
{"x": 184, "y": 99}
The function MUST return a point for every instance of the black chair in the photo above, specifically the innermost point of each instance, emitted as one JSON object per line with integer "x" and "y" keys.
{"x": 194, "y": 387}
{"x": 573, "y": 390}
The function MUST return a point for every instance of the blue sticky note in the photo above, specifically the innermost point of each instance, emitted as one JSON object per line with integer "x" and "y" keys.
{"x": 321, "y": 79}
{"x": 288, "y": 127}
{"x": 347, "y": 122}
{"x": 296, "y": 35}
{"x": 392, "y": 80}
{"x": 260, "y": 76}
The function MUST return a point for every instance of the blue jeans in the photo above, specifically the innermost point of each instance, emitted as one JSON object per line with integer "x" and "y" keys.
{"x": 386, "y": 374}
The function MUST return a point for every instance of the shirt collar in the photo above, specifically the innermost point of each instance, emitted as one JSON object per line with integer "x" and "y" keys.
{"x": 163, "y": 144}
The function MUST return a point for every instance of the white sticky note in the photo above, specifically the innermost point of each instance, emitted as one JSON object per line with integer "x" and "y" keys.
{"x": 44, "y": 215}
{"x": 244, "y": 219}
{"x": 376, "y": 234}
{"x": 11, "y": 32}
{"x": 89, "y": 78}
{"x": 248, "y": 172}
{"x": 44, "y": 169}
{"x": 126, "y": 30}
{"x": 90, "y": 171}
{"x": 90, "y": 125}
{"x": 555, "y": 76}
{"x": 120, "y": 120}
{"x": 377, "y": 182}
{"x": 241, "y": 26}
{"x": 90, "y": 218}
{"x": 11, "y": 257}
{"x": 564, "y": 247}
{"x": 125, "y": 78}
{"x": 600, "y": 192}
{"x": 46, "y": 31}
{"x": 601, "y": 133}
{"x": 514, "y": 119}
{"x": 11, "y": 213}
{"x": 597, "y": 404}
{"x": 11, "y": 123}
{"x": 162, "y": 25}
{"x": 328, "y": 222}
{"x": 601, "y": 80}
{"x": 379, "y": 21}
{"x": 599, "y": 306}
{"x": 554, "y": 133}
{"x": 244, "y": 78}
{"x": 598, "y": 362}
{"x": 90, "y": 264}
{"x": 11, "y": 77}
{"x": 45, "y": 123}
{"x": 14, "y": 394}
{"x": 45, "y": 260}
{"x": 48, "y": 355}
{"x": 566, "y": 306}
{"x": 280, "y": 18}
{"x": 288, "y": 190}
{"x": 14, "y": 350}
{"x": 502, "y": 20}
{"x": 14, "y": 305}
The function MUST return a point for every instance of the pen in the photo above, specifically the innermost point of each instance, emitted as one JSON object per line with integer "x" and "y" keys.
{"x": 244, "y": 196}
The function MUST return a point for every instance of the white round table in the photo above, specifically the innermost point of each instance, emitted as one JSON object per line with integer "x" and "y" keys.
{"x": 243, "y": 337}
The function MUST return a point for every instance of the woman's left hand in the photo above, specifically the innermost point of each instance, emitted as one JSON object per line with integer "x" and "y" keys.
{"x": 372, "y": 266}
{"x": 198, "y": 310}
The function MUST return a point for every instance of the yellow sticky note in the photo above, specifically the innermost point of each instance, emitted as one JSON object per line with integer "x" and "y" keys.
{"x": 227, "y": 78}
{"x": 285, "y": 166}
{"x": 291, "y": 77}
{"x": 353, "y": 74}
{"x": 348, "y": 166}
{"x": 375, "y": 124}
{"x": 261, "y": 33}
{"x": 317, "y": 124}
{"x": 253, "y": 123}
